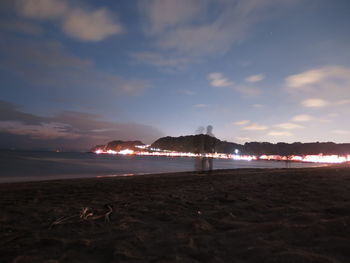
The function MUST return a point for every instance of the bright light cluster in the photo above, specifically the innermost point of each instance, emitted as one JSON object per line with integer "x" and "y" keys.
{"x": 320, "y": 158}
{"x": 306, "y": 158}
{"x": 326, "y": 159}
{"x": 158, "y": 152}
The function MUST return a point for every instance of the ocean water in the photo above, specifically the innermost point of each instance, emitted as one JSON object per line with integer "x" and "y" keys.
{"x": 19, "y": 166}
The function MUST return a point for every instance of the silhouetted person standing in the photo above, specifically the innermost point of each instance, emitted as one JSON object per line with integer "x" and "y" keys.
{"x": 208, "y": 148}
{"x": 199, "y": 144}
{"x": 205, "y": 144}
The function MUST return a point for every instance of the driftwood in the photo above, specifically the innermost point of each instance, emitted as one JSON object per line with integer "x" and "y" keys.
{"x": 86, "y": 213}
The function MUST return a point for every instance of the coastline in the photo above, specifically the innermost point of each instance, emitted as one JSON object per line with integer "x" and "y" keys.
{"x": 250, "y": 215}
{"x": 34, "y": 166}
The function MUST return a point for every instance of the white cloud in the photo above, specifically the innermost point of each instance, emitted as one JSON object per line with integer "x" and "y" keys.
{"x": 243, "y": 122}
{"x": 343, "y": 102}
{"x": 164, "y": 14}
{"x": 280, "y": 133}
{"x": 306, "y": 78}
{"x": 325, "y": 120}
{"x": 328, "y": 83}
{"x": 43, "y": 131}
{"x": 65, "y": 130}
{"x": 342, "y": 132}
{"x": 218, "y": 80}
{"x": 42, "y": 9}
{"x": 90, "y": 26}
{"x": 247, "y": 90}
{"x": 289, "y": 126}
{"x": 47, "y": 64}
{"x": 255, "y": 78}
{"x": 79, "y": 23}
{"x": 181, "y": 25}
{"x": 302, "y": 118}
{"x": 255, "y": 127}
{"x": 134, "y": 87}
{"x": 333, "y": 114}
{"x": 315, "y": 103}
{"x": 318, "y": 76}
{"x": 243, "y": 139}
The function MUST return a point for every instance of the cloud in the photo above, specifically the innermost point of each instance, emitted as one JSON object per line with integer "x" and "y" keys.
{"x": 200, "y": 106}
{"x": 255, "y": 78}
{"x": 325, "y": 120}
{"x": 343, "y": 102}
{"x": 42, "y": 131}
{"x": 218, "y": 80}
{"x": 301, "y": 80}
{"x": 247, "y": 90}
{"x": 332, "y": 115}
{"x": 302, "y": 118}
{"x": 342, "y": 132}
{"x": 289, "y": 126}
{"x": 315, "y": 103}
{"x": 243, "y": 139}
{"x": 328, "y": 83}
{"x": 79, "y": 23}
{"x": 184, "y": 26}
{"x": 280, "y": 133}
{"x": 47, "y": 64}
{"x": 90, "y": 26}
{"x": 318, "y": 76}
{"x": 42, "y": 9}
{"x": 255, "y": 127}
{"x": 132, "y": 87}
{"x": 161, "y": 15}
{"x": 67, "y": 130}
{"x": 258, "y": 106}
{"x": 243, "y": 122}
{"x": 168, "y": 61}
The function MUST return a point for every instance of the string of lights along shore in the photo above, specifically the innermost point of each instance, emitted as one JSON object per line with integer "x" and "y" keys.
{"x": 320, "y": 158}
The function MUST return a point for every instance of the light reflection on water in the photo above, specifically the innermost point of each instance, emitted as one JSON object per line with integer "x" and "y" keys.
{"x": 114, "y": 175}
{"x": 30, "y": 165}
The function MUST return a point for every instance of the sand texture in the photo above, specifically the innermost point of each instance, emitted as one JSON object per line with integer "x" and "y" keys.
{"x": 248, "y": 215}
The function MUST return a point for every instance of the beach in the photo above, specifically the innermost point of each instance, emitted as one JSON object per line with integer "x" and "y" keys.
{"x": 243, "y": 215}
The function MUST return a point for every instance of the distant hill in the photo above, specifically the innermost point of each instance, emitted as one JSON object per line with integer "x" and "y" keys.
{"x": 205, "y": 143}
{"x": 117, "y": 146}
{"x": 193, "y": 143}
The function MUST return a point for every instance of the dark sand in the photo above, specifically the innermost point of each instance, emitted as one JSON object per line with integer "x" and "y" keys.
{"x": 249, "y": 215}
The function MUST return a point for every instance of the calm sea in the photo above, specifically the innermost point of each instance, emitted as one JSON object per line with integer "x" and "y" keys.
{"x": 18, "y": 166}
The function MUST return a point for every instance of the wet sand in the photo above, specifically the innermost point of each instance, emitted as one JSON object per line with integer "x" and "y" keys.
{"x": 247, "y": 215}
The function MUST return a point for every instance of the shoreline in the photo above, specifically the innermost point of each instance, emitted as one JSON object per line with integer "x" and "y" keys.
{"x": 250, "y": 215}
{"x": 27, "y": 179}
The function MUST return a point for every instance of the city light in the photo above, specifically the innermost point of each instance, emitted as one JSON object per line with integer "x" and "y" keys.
{"x": 320, "y": 158}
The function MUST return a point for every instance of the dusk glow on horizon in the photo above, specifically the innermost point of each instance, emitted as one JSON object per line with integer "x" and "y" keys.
{"x": 80, "y": 73}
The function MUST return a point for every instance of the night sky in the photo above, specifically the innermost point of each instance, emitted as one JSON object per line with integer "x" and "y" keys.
{"x": 79, "y": 73}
